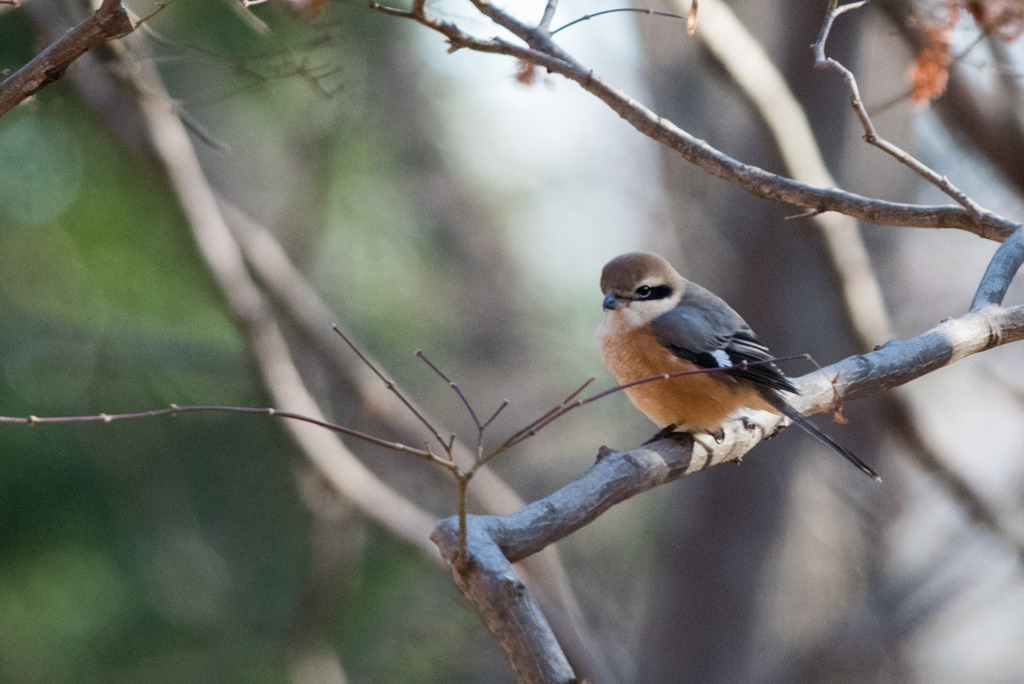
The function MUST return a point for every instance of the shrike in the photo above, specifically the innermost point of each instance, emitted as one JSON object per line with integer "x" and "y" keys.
{"x": 657, "y": 322}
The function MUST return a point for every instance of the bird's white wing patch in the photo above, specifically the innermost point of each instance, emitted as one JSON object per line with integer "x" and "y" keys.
{"x": 722, "y": 357}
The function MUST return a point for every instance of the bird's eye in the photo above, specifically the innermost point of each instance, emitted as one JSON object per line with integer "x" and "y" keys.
{"x": 643, "y": 292}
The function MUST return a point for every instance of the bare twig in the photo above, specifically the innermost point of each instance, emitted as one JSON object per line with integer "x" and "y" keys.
{"x": 175, "y": 409}
{"x": 501, "y": 407}
{"x": 634, "y": 10}
{"x": 480, "y": 427}
{"x": 541, "y": 52}
{"x": 870, "y": 133}
{"x": 532, "y": 428}
{"x": 393, "y": 389}
{"x": 313, "y": 317}
{"x": 107, "y": 22}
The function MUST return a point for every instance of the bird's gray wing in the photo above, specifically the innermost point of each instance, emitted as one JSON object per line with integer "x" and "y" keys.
{"x": 706, "y": 331}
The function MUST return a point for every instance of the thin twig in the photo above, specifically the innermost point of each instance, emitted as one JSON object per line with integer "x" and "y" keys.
{"x": 392, "y": 388}
{"x": 494, "y": 415}
{"x": 453, "y": 385}
{"x": 393, "y": 11}
{"x": 529, "y": 430}
{"x": 175, "y": 409}
{"x": 480, "y": 427}
{"x": 634, "y": 10}
{"x": 871, "y": 135}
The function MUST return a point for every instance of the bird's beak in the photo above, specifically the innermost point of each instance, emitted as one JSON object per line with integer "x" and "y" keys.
{"x": 611, "y": 302}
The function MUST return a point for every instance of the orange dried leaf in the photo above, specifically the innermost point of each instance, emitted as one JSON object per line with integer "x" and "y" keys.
{"x": 930, "y": 72}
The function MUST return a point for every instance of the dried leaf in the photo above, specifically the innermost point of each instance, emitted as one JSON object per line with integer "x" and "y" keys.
{"x": 930, "y": 72}
{"x": 1001, "y": 18}
{"x": 526, "y": 73}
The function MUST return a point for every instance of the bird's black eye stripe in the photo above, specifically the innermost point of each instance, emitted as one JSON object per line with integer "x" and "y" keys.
{"x": 645, "y": 292}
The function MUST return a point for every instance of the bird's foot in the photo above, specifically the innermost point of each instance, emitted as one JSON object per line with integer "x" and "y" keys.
{"x": 717, "y": 436}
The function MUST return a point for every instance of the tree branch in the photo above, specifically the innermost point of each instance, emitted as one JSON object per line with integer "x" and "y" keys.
{"x": 749, "y": 65}
{"x": 618, "y": 476}
{"x": 107, "y": 22}
{"x": 1000, "y": 272}
{"x": 544, "y": 573}
{"x": 543, "y": 52}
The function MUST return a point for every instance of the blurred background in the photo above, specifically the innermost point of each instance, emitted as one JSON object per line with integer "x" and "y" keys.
{"x": 436, "y": 201}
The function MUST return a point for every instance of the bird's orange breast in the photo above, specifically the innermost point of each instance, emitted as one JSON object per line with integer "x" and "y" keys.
{"x": 701, "y": 401}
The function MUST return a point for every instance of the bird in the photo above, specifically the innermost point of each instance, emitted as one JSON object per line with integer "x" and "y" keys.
{"x": 657, "y": 322}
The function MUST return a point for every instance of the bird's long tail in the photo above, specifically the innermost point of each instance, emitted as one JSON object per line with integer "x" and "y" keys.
{"x": 800, "y": 419}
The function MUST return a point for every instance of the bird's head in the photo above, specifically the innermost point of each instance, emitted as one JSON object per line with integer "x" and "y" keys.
{"x": 640, "y": 286}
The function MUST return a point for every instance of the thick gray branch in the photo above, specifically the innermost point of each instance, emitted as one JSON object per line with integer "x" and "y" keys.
{"x": 506, "y": 607}
{"x": 1000, "y": 272}
{"x": 899, "y": 361}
